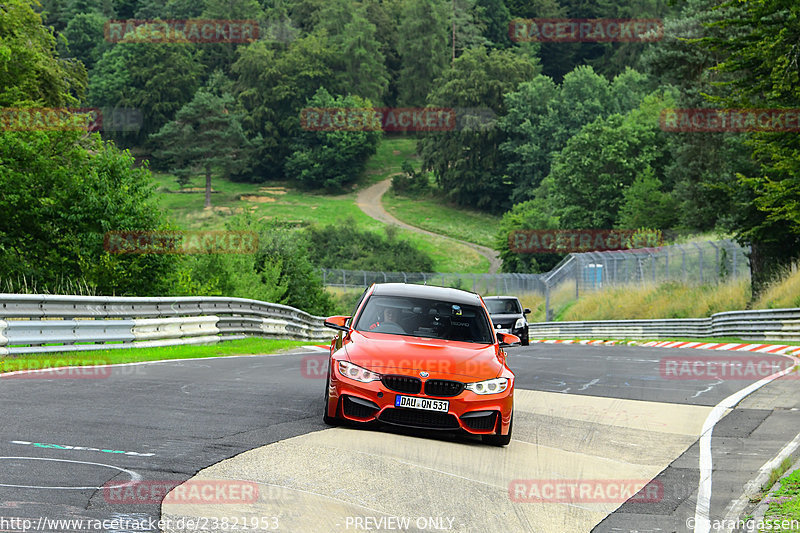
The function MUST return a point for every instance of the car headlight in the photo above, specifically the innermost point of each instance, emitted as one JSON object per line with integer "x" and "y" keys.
{"x": 520, "y": 323}
{"x": 349, "y": 370}
{"x": 490, "y": 386}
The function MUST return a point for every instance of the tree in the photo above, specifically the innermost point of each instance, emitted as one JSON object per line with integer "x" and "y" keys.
{"x": 331, "y": 159}
{"x": 169, "y": 9}
{"x": 385, "y": 15}
{"x": 288, "y": 250}
{"x": 529, "y": 146}
{"x": 598, "y": 163}
{"x": 423, "y": 45}
{"x": 206, "y": 136}
{"x": 220, "y": 56}
{"x": 466, "y": 162}
{"x": 31, "y": 73}
{"x": 645, "y": 204}
{"x": 84, "y": 34}
{"x": 538, "y": 213}
{"x": 272, "y": 86}
{"x": 496, "y": 17}
{"x": 760, "y": 61}
{"x": 48, "y": 237}
{"x": 702, "y": 171}
{"x": 155, "y": 79}
{"x": 359, "y": 63}
{"x": 541, "y": 117}
{"x": 466, "y": 18}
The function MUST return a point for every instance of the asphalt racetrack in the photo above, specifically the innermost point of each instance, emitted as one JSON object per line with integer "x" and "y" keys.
{"x": 238, "y": 444}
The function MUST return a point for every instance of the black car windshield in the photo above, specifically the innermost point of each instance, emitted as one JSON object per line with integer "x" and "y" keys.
{"x": 502, "y": 306}
{"x": 420, "y": 317}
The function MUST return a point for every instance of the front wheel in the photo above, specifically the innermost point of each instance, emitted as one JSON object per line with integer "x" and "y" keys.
{"x": 525, "y": 341}
{"x": 329, "y": 420}
{"x": 499, "y": 440}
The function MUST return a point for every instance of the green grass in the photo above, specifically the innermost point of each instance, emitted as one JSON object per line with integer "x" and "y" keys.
{"x": 784, "y": 504}
{"x": 281, "y": 201}
{"x": 782, "y": 293}
{"x": 434, "y": 215}
{"x": 389, "y": 158}
{"x": 665, "y": 300}
{"x": 248, "y": 346}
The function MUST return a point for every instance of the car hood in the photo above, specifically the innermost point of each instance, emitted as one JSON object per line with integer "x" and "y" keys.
{"x": 399, "y": 354}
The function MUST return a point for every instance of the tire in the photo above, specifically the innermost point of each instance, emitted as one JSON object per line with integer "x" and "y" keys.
{"x": 525, "y": 341}
{"x": 499, "y": 440}
{"x": 329, "y": 420}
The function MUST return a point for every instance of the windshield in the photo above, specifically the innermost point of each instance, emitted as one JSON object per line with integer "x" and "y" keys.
{"x": 501, "y": 306}
{"x": 421, "y": 317}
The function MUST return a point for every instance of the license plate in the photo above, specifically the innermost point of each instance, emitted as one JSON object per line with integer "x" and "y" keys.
{"x": 412, "y": 402}
{"x": 503, "y": 330}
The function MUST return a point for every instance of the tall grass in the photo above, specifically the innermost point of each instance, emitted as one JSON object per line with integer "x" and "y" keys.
{"x": 26, "y": 285}
{"x": 782, "y": 293}
{"x": 667, "y": 300}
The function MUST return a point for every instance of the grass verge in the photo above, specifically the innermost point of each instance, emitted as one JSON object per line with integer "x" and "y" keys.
{"x": 667, "y": 300}
{"x": 784, "y": 505}
{"x": 250, "y": 346}
{"x": 433, "y": 215}
{"x": 782, "y": 293}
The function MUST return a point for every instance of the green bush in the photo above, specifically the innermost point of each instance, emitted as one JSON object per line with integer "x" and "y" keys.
{"x": 411, "y": 183}
{"x": 330, "y": 159}
{"x": 345, "y": 246}
{"x": 61, "y": 192}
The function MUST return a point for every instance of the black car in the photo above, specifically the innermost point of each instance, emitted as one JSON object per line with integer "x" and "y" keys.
{"x": 508, "y": 316}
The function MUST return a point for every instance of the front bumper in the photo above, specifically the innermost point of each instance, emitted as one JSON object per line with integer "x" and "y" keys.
{"x": 374, "y": 402}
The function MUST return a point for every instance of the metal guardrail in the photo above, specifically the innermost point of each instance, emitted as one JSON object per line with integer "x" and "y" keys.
{"x": 35, "y": 323}
{"x": 766, "y": 324}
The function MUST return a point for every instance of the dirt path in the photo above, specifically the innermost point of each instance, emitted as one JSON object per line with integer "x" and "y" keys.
{"x": 369, "y": 201}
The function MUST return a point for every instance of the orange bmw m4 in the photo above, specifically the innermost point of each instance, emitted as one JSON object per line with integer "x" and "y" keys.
{"x": 422, "y": 357}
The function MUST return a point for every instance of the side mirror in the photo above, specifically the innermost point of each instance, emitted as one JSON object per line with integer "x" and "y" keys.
{"x": 526, "y": 311}
{"x": 337, "y": 322}
{"x": 507, "y": 339}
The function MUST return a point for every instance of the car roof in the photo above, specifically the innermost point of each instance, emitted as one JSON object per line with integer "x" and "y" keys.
{"x": 426, "y": 291}
{"x": 500, "y": 298}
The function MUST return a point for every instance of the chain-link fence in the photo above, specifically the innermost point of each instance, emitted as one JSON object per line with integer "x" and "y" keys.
{"x": 692, "y": 263}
